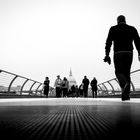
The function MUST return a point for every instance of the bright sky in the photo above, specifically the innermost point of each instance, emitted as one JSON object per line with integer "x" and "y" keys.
{"x": 41, "y": 38}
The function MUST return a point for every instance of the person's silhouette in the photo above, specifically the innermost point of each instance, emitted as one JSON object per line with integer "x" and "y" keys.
{"x": 46, "y": 86}
{"x": 122, "y": 36}
{"x": 93, "y": 84}
{"x": 85, "y": 83}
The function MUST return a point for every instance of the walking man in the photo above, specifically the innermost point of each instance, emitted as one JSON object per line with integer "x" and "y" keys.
{"x": 93, "y": 84}
{"x": 46, "y": 86}
{"x": 122, "y": 35}
{"x": 85, "y": 86}
{"x": 65, "y": 86}
{"x": 58, "y": 86}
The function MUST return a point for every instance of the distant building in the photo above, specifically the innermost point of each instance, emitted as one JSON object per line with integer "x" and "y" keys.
{"x": 12, "y": 89}
{"x": 2, "y": 88}
{"x": 71, "y": 80}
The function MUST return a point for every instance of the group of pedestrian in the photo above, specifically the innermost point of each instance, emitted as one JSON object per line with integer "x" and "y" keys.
{"x": 61, "y": 86}
{"x": 84, "y": 87}
{"x": 63, "y": 89}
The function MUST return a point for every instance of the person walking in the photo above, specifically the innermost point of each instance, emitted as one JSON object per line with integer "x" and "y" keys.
{"x": 81, "y": 90}
{"x": 93, "y": 84}
{"x": 46, "y": 86}
{"x": 77, "y": 91}
{"x": 122, "y": 35}
{"x": 72, "y": 91}
{"x": 58, "y": 86}
{"x": 65, "y": 86}
{"x": 85, "y": 82}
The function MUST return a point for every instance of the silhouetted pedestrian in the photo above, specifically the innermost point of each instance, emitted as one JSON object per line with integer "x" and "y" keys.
{"x": 76, "y": 91}
{"x": 81, "y": 90}
{"x": 85, "y": 86}
{"x": 93, "y": 84}
{"x": 46, "y": 86}
{"x": 122, "y": 36}
{"x": 65, "y": 86}
{"x": 58, "y": 86}
{"x": 73, "y": 90}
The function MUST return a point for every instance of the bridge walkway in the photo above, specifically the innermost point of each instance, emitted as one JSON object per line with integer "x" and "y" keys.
{"x": 69, "y": 119}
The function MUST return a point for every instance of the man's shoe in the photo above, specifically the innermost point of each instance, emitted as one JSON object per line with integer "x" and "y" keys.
{"x": 126, "y": 92}
{"x": 125, "y": 98}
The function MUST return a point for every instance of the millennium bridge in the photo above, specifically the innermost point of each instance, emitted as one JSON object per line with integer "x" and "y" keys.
{"x": 26, "y": 114}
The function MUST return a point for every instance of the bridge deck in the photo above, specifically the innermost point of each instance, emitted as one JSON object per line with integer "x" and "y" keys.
{"x": 69, "y": 118}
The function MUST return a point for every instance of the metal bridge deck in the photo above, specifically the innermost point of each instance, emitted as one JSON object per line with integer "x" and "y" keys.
{"x": 69, "y": 118}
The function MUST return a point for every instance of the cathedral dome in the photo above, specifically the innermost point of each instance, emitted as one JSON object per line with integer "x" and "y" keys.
{"x": 71, "y": 80}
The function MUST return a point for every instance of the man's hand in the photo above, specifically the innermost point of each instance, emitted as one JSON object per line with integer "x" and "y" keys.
{"x": 107, "y": 59}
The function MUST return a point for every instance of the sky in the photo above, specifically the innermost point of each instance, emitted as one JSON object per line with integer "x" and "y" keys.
{"x": 40, "y": 38}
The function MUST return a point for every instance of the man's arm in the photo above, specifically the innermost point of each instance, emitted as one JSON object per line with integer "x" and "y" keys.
{"x": 108, "y": 42}
{"x": 108, "y": 46}
{"x": 137, "y": 42}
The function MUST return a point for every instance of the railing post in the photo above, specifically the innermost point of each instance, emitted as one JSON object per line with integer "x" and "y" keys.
{"x": 23, "y": 86}
{"x": 100, "y": 87}
{"x": 38, "y": 87}
{"x": 32, "y": 87}
{"x": 105, "y": 87}
{"x": 111, "y": 87}
{"x": 9, "y": 87}
{"x": 133, "y": 87}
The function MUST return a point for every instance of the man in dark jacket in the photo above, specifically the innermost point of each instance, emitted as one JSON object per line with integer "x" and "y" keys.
{"x": 93, "y": 84}
{"x": 85, "y": 86}
{"x": 46, "y": 86}
{"x": 122, "y": 36}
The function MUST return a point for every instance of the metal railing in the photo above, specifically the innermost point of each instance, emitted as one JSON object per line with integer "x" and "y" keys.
{"x": 13, "y": 84}
{"x": 111, "y": 87}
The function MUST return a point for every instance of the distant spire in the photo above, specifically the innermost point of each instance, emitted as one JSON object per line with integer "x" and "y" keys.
{"x": 70, "y": 72}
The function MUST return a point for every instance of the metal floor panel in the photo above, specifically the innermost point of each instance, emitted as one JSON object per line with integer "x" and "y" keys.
{"x": 69, "y": 119}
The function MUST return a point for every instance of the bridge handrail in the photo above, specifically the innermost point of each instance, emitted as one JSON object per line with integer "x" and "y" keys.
{"x": 37, "y": 91}
{"x": 104, "y": 90}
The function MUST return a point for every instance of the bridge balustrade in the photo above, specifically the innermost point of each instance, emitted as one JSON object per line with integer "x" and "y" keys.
{"x": 13, "y": 84}
{"x": 112, "y": 88}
